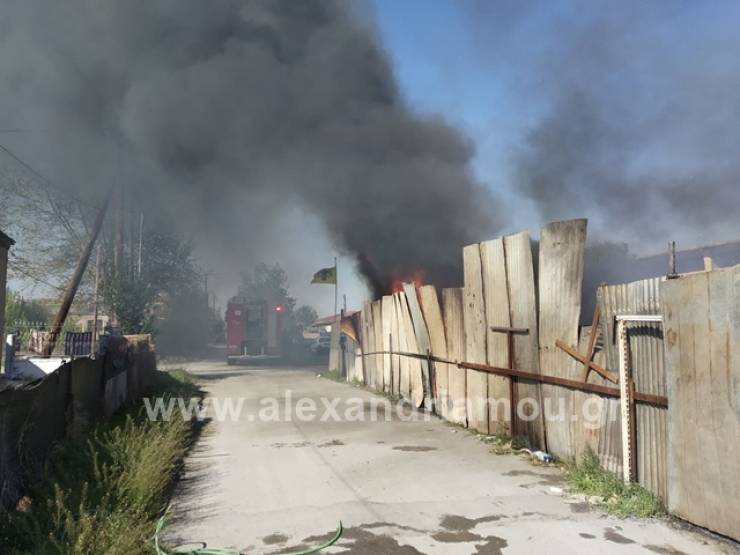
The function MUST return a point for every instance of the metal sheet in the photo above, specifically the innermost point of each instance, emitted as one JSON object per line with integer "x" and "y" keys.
{"x": 648, "y": 368}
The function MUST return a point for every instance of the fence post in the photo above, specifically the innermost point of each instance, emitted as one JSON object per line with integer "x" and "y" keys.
{"x": 9, "y": 355}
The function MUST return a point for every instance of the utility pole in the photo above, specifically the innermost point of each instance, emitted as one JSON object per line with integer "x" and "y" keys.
{"x": 118, "y": 231}
{"x": 141, "y": 241}
{"x": 94, "y": 342}
{"x": 336, "y": 283}
{"x": 71, "y": 291}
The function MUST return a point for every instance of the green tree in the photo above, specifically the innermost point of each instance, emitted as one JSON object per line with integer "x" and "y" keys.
{"x": 19, "y": 309}
{"x": 267, "y": 283}
{"x": 131, "y": 301}
{"x": 167, "y": 287}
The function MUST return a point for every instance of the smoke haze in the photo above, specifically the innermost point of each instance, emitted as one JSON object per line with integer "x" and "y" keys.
{"x": 275, "y": 130}
{"x": 634, "y": 116}
{"x": 243, "y": 121}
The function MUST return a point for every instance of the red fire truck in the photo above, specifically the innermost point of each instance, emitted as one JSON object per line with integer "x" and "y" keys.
{"x": 253, "y": 331}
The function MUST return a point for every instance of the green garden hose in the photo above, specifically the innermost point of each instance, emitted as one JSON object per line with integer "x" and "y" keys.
{"x": 226, "y": 551}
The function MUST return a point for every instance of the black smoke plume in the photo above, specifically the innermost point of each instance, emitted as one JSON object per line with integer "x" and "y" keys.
{"x": 235, "y": 117}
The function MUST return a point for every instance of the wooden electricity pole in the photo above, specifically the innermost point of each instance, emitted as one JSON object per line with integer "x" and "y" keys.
{"x": 71, "y": 291}
{"x": 94, "y": 342}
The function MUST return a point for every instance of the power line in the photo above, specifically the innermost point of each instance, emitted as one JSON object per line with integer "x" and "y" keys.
{"x": 37, "y": 279}
{"x": 49, "y": 183}
{"x": 44, "y": 180}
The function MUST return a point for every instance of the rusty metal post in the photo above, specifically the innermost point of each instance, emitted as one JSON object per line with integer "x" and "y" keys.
{"x": 672, "y": 260}
{"x": 512, "y": 379}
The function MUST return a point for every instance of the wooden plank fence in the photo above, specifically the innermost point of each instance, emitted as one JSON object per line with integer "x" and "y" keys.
{"x": 474, "y": 317}
{"x": 702, "y": 329}
{"x": 497, "y": 353}
{"x": 561, "y": 269}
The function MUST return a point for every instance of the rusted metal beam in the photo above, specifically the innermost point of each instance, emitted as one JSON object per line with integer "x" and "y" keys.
{"x": 603, "y": 372}
{"x": 510, "y": 363}
{"x": 646, "y": 398}
{"x": 592, "y": 341}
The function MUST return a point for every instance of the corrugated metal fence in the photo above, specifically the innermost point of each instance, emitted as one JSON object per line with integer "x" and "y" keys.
{"x": 648, "y": 368}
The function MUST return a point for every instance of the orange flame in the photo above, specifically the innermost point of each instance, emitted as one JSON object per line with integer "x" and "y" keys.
{"x": 417, "y": 278}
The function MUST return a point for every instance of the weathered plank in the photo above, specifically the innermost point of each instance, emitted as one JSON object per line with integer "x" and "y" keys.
{"x": 475, "y": 338}
{"x": 335, "y": 353}
{"x": 496, "y": 296}
{"x": 404, "y": 388}
{"x": 387, "y": 315}
{"x": 452, "y": 310}
{"x": 523, "y": 310}
{"x": 421, "y": 333}
{"x": 560, "y": 282}
{"x": 378, "y": 339}
{"x": 395, "y": 344}
{"x": 702, "y": 333}
{"x": 433, "y": 317}
{"x": 416, "y": 388}
{"x": 369, "y": 360}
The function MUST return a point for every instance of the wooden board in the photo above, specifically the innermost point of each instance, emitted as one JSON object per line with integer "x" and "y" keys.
{"x": 415, "y": 387}
{"x": 702, "y": 355}
{"x": 523, "y": 309}
{"x": 496, "y": 300}
{"x": 387, "y": 315}
{"x": 404, "y": 388}
{"x": 335, "y": 353}
{"x": 363, "y": 343}
{"x": 395, "y": 359}
{"x": 378, "y": 334}
{"x": 452, "y": 311}
{"x": 560, "y": 282}
{"x": 421, "y": 334}
{"x": 370, "y": 333}
{"x": 433, "y": 317}
{"x": 475, "y": 338}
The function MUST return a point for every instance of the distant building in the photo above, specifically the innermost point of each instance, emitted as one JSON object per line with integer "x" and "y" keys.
{"x": 5, "y": 244}
{"x": 85, "y": 322}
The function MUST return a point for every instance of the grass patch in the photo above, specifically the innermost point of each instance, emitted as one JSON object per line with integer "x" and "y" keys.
{"x": 104, "y": 492}
{"x": 617, "y": 497}
{"x": 503, "y": 444}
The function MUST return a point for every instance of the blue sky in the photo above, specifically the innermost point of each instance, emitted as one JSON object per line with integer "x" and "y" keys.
{"x": 442, "y": 70}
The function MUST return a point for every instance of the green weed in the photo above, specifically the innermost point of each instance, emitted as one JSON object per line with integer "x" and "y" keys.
{"x": 616, "y": 497}
{"x": 104, "y": 493}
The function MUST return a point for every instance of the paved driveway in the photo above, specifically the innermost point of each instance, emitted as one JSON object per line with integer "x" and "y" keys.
{"x": 399, "y": 486}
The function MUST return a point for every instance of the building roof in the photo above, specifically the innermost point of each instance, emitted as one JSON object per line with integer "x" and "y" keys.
{"x": 329, "y": 320}
{"x": 6, "y": 241}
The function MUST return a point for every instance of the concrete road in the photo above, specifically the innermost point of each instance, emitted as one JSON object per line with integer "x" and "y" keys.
{"x": 399, "y": 487}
